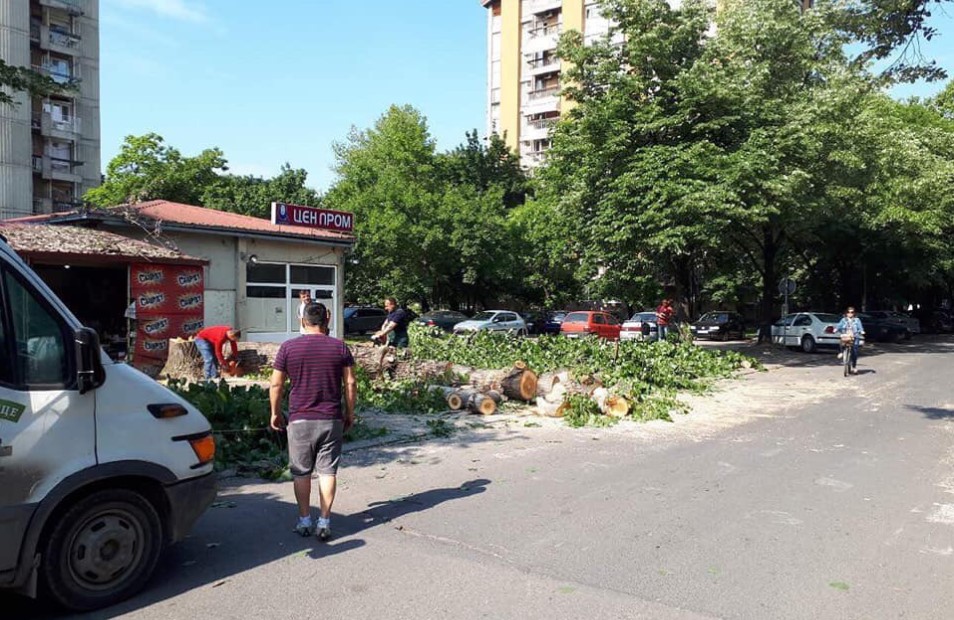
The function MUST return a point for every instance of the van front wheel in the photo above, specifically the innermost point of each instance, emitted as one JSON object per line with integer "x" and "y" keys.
{"x": 102, "y": 550}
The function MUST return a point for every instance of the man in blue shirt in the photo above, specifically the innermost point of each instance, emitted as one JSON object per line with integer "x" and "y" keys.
{"x": 851, "y": 325}
{"x": 395, "y": 326}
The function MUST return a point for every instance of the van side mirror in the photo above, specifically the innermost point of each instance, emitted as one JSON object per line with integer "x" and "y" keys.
{"x": 90, "y": 373}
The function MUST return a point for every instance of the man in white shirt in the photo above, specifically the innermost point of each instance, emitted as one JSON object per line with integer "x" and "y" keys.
{"x": 305, "y": 297}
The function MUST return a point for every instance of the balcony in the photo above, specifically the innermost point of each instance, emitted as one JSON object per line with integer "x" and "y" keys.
{"x": 535, "y": 7}
{"x": 57, "y": 168}
{"x": 543, "y": 66}
{"x": 60, "y": 41}
{"x": 67, "y": 129}
{"x": 56, "y": 74}
{"x": 35, "y": 29}
{"x": 545, "y": 93}
{"x": 60, "y": 206}
{"x": 543, "y": 39}
{"x": 73, "y": 7}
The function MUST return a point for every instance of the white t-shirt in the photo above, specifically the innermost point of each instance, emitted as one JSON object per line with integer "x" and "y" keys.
{"x": 301, "y": 315}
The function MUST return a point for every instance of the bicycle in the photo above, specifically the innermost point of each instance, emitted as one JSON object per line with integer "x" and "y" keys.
{"x": 847, "y": 342}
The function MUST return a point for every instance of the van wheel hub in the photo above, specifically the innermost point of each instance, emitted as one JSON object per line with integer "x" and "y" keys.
{"x": 105, "y": 548}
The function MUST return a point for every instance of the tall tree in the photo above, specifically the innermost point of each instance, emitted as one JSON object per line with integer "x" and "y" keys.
{"x": 251, "y": 195}
{"x": 146, "y": 168}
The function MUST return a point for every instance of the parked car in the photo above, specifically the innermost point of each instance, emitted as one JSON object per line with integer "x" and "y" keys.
{"x": 941, "y": 322}
{"x": 536, "y": 322}
{"x": 494, "y": 321}
{"x": 361, "y": 319}
{"x": 591, "y": 323}
{"x": 445, "y": 319}
{"x": 880, "y": 329}
{"x": 640, "y": 326}
{"x": 909, "y": 323}
{"x": 554, "y": 321}
{"x": 102, "y": 467}
{"x": 719, "y": 325}
{"x": 807, "y": 330}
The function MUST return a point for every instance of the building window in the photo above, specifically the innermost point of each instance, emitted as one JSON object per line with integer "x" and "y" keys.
{"x": 271, "y": 294}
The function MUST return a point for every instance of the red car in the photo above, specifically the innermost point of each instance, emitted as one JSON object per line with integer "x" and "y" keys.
{"x": 589, "y": 323}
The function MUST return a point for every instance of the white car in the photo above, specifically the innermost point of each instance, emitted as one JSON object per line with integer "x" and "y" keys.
{"x": 807, "y": 330}
{"x": 907, "y": 322}
{"x": 633, "y": 328}
{"x": 494, "y": 321}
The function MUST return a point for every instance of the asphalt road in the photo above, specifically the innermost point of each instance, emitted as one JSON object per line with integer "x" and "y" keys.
{"x": 795, "y": 493}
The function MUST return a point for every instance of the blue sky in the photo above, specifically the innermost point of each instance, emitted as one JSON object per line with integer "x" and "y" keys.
{"x": 282, "y": 83}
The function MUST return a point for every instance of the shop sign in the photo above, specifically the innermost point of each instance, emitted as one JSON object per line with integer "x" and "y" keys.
{"x": 285, "y": 214}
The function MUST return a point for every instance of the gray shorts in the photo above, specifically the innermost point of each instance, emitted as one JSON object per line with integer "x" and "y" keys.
{"x": 314, "y": 444}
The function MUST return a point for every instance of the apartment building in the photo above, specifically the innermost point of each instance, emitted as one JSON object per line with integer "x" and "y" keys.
{"x": 523, "y": 74}
{"x": 50, "y": 146}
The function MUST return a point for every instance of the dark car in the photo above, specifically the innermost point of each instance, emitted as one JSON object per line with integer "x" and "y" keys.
{"x": 881, "y": 330}
{"x": 554, "y": 322}
{"x": 719, "y": 325}
{"x": 362, "y": 319}
{"x": 445, "y": 319}
{"x": 536, "y": 322}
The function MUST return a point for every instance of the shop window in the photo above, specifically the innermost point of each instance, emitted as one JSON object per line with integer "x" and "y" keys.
{"x": 271, "y": 273}
{"x": 311, "y": 274}
{"x": 40, "y": 349}
{"x": 265, "y": 292}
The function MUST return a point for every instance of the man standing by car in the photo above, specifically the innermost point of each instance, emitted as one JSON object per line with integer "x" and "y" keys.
{"x": 664, "y": 314}
{"x": 317, "y": 366}
{"x": 395, "y": 326}
{"x": 210, "y": 341}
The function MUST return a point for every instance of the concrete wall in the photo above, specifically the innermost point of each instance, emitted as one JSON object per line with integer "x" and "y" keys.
{"x": 16, "y": 172}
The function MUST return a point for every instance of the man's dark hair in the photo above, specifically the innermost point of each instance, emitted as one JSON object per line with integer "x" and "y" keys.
{"x": 391, "y": 300}
{"x": 304, "y": 291}
{"x": 316, "y": 314}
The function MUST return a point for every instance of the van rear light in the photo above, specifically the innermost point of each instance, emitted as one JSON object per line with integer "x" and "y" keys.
{"x": 167, "y": 410}
{"x": 204, "y": 448}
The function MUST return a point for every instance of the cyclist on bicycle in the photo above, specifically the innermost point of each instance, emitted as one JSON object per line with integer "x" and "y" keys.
{"x": 851, "y": 325}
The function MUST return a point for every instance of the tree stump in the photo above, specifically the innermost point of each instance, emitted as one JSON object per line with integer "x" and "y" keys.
{"x": 184, "y": 361}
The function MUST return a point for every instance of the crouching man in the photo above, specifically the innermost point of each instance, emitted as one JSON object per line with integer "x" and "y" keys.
{"x": 320, "y": 368}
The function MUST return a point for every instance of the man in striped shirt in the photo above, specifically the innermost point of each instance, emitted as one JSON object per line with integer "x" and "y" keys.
{"x": 318, "y": 366}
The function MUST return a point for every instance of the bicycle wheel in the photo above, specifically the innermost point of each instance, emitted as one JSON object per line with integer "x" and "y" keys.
{"x": 846, "y": 355}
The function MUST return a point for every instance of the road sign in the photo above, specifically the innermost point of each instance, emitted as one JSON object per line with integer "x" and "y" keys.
{"x": 786, "y": 286}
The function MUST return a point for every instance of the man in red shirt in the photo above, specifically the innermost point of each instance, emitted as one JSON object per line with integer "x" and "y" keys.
{"x": 664, "y": 315}
{"x": 210, "y": 341}
{"x": 320, "y": 369}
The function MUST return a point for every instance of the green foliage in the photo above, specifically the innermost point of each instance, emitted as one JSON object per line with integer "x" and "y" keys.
{"x": 440, "y": 428}
{"x": 425, "y": 221}
{"x": 25, "y": 79}
{"x": 405, "y": 396}
{"x": 647, "y": 374}
{"x": 581, "y": 411}
{"x": 148, "y": 169}
{"x": 251, "y": 195}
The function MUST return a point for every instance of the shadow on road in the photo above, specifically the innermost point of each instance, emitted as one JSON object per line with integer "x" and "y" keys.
{"x": 934, "y": 413}
{"x": 778, "y": 355}
{"x": 241, "y": 532}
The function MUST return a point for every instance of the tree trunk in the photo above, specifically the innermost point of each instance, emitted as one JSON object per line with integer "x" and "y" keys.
{"x": 770, "y": 248}
{"x": 184, "y": 361}
{"x": 515, "y": 383}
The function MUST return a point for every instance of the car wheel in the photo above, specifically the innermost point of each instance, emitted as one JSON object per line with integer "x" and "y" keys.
{"x": 521, "y": 332}
{"x": 808, "y": 344}
{"x": 102, "y": 550}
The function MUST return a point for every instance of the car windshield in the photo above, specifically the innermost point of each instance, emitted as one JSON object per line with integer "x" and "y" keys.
{"x": 576, "y": 317}
{"x": 483, "y": 316}
{"x": 714, "y": 317}
{"x": 557, "y": 316}
{"x": 828, "y": 318}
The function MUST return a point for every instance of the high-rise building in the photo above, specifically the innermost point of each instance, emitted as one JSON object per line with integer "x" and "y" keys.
{"x": 49, "y": 146}
{"x": 523, "y": 75}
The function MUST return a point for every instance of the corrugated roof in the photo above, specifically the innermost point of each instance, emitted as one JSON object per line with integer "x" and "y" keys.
{"x": 194, "y": 216}
{"x": 72, "y": 242}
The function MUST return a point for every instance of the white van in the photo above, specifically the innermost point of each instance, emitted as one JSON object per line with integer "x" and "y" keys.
{"x": 100, "y": 466}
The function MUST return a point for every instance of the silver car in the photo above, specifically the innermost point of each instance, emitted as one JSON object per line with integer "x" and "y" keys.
{"x": 495, "y": 321}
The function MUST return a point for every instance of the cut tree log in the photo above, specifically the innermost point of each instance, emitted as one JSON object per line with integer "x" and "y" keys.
{"x": 184, "y": 361}
{"x": 451, "y": 394}
{"x": 616, "y": 406}
{"x": 549, "y": 409}
{"x": 478, "y": 402}
{"x": 548, "y": 380}
{"x": 515, "y": 383}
